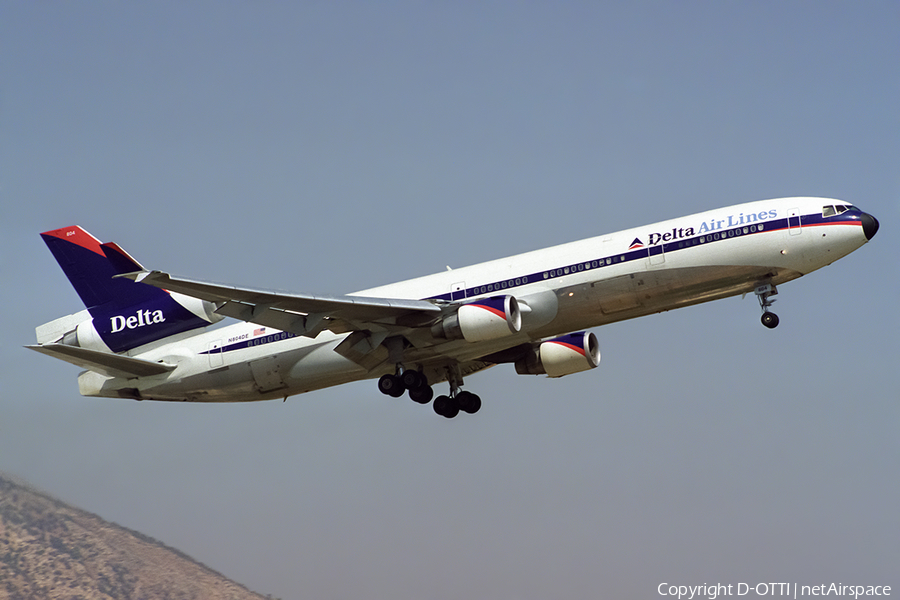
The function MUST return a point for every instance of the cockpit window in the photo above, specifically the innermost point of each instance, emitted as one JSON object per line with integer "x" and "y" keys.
{"x": 830, "y": 211}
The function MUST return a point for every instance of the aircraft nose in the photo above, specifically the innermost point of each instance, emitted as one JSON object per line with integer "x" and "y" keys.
{"x": 870, "y": 225}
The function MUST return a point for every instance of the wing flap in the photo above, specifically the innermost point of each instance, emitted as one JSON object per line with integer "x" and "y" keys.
{"x": 300, "y": 324}
{"x": 111, "y": 365}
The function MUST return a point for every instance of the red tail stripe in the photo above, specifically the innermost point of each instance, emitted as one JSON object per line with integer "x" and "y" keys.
{"x": 78, "y": 236}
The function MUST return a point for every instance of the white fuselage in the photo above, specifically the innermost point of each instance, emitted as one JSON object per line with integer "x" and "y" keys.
{"x": 573, "y": 286}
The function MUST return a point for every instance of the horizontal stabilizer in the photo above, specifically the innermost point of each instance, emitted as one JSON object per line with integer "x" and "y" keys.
{"x": 111, "y": 365}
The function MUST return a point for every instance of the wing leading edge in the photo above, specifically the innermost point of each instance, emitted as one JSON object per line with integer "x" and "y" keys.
{"x": 300, "y": 314}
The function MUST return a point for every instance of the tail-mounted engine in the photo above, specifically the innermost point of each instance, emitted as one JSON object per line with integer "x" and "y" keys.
{"x": 561, "y": 355}
{"x": 120, "y": 329}
{"x": 122, "y": 315}
{"x": 479, "y": 320}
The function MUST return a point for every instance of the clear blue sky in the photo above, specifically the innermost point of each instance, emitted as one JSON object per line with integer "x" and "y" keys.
{"x": 328, "y": 147}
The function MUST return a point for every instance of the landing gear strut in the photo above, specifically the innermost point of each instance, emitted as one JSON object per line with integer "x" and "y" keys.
{"x": 764, "y": 293}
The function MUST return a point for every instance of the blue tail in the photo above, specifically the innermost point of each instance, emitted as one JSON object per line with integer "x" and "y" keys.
{"x": 125, "y": 314}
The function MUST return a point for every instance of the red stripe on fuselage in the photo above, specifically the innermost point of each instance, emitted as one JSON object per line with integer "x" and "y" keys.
{"x": 834, "y": 223}
{"x": 806, "y": 225}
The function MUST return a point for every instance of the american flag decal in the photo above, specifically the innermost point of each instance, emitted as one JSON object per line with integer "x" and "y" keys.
{"x": 259, "y": 331}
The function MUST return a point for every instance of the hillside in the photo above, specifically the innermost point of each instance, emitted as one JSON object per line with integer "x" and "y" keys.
{"x": 49, "y": 550}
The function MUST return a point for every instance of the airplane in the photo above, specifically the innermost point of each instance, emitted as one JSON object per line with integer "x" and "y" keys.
{"x": 146, "y": 335}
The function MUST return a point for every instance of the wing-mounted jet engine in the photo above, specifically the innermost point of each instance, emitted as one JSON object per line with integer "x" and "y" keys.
{"x": 563, "y": 355}
{"x": 480, "y": 320}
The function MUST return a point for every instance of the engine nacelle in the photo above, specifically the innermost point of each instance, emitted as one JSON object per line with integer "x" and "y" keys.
{"x": 479, "y": 320}
{"x": 204, "y": 309}
{"x": 561, "y": 355}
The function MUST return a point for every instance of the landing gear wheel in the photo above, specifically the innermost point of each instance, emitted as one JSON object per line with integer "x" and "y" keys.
{"x": 769, "y": 319}
{"x": 446, "y": 406}
{"x": 391, "y": 385}
{"x": 468, "y": 402}
{"x": 422, "y": 395}
{"x": 412, "y": 379}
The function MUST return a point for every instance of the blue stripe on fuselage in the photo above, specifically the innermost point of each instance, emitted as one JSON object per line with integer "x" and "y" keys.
{"x": 254, "y": 341}
{"x": 851, "y": 217}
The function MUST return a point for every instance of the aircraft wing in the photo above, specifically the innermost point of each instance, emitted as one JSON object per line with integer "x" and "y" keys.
{"x": 299, "y": 313}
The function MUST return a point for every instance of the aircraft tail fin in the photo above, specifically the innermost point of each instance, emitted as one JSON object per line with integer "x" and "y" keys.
{"x": 91, "y": 267}
{"x": 124, "y": 314}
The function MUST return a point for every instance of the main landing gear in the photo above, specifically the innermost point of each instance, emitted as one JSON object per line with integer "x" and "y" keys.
{"x": 764, "y": 294}
{"x": 449, "y": 406}
{"x": 416, "y": 384}
{"x": 409, "y": 380}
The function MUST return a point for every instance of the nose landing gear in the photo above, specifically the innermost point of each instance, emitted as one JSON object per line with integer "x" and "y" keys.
{"x": 764, "y": 293}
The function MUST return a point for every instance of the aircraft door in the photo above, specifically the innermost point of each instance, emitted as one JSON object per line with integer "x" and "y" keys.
{"x": 215, "y": 354}
{"x": 794, "y": 221}
{"x": 657, "y": 255}
{"x": 458, "y": 291}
